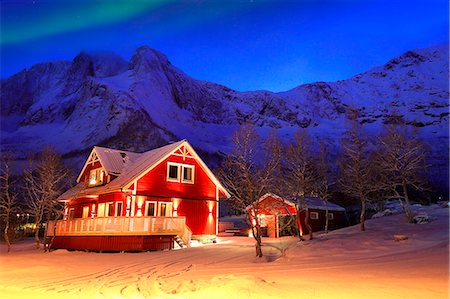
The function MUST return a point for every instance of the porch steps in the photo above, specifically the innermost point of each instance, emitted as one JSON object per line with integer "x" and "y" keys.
{"x": 180, "y": 242}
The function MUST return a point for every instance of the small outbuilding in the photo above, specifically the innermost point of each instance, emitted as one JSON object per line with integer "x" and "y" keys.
{"x": 277, "y": 215}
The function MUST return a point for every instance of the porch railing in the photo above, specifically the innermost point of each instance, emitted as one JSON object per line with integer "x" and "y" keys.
{"x": 120, "y": 226}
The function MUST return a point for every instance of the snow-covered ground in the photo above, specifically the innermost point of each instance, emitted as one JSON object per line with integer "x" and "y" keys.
{"x": 343, "y": 264}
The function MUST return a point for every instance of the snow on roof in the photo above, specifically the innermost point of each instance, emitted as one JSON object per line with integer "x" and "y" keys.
{"x": 114, "y": 160}
{"x": 318, "y": 203}
{"x": 143, "y": 164}
{"x": 311, "y": 202}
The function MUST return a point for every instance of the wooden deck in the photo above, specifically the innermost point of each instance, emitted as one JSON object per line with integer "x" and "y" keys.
{"x": 122, "y": 226}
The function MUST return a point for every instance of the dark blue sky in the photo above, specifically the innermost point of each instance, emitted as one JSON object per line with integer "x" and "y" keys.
{"x": 246, "y": 45}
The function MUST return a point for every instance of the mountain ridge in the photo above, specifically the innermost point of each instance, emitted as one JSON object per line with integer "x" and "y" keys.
{"x": 102, "y": 99}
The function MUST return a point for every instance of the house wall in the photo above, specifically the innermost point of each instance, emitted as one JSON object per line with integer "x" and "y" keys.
{"x": 155, "y": 182}
{"x": 113, "y": 243}
{"x": 319, "y": 224}
{"x": 79, "y": 203}
{"x": 196, "y": 201}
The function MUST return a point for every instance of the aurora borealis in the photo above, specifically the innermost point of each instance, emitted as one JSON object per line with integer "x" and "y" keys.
{"x": 245, "y": 45}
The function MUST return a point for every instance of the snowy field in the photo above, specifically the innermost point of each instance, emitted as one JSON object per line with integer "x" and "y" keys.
{"x": 342, "y": 264}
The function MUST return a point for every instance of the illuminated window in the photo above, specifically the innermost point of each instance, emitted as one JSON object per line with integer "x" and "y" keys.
{"x": 314, "y": 215}
{"x": 165, "y": 209}
{"x": 173, "y": 172}
{"x": 96, "y": 177}
{"x": 85, "y": 211}
{"x": 188, "y": 174}
{"x": 101, "y": 210}
{"x": 330, "y": 216}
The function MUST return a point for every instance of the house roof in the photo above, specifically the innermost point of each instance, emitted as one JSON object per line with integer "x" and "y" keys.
{"x": 114, "y": 160}
{"x": 311, "y": 202}
{"x": 132, "y": 168}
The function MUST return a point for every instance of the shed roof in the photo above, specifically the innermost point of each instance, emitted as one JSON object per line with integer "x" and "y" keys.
{"x": 310, "y": 201}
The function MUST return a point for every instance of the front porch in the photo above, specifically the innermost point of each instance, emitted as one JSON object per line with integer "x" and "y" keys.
{"x": 119, "y": 233}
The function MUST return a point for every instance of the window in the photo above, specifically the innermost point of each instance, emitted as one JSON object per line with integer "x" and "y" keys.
{"x": 71, "y": 213}
{"x": 96, "y": 177}
{"x": 101, "y": 210}
{"x": 85, "y": 211}
{"x": 188, "y": 174}
{"x": 109, "y": 209}
{"x": 314, "y": 215}
{"x": 173, "y": 172}
{"x": 119, "y": 207}
{"x": 165, "y": 208}
{"x": 150, "y": 208}
{"x": 330, "y": 216}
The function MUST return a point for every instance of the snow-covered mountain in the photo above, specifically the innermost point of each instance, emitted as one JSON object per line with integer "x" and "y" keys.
{"x": 100, "y": 99}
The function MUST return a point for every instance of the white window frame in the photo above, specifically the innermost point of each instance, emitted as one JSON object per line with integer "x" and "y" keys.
{"x": 107, "y": 205}
{"x": 116, "y": 208}
{"x": 330, "y": 216}
{"x": 178, "y": 165}
{"x": 192, "y": 167}
{"x": 168, "y": 204}
{"x": 147, "y": 203}
{"x": 315, "y": 217}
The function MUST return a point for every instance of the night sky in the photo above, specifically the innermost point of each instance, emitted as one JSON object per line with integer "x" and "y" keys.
{"x": 246, "y": 45}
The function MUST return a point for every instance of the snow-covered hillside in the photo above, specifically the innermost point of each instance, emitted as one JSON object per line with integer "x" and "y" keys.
{"x": 345, "y": 263}
{"x": 100, "y": 99}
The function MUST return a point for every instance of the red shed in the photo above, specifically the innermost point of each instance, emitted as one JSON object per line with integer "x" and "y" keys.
{"x": 127, "y": 201}
{"x": 273, "y": 213}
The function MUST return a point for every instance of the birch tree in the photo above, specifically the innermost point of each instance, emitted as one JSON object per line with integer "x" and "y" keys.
{"x": 357, "y": 175}
{"x": 402, "y": 158}
{"x": 44, "y": 181}
{"x": 323, "y": 179}
{"x": 302, "y": 174}
{"x": 246, "y": 178}
{"x": 7, "y": 199}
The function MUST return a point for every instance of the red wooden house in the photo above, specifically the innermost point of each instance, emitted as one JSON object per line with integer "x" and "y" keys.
{"x": 273, "y": 213}
{"x": 127, "y": 201}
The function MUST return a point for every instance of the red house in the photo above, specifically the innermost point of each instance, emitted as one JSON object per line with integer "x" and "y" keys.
{"x": 274, "y": 213}
{"x": 127, "y": 201}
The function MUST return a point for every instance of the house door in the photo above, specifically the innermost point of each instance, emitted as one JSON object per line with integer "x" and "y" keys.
{"x": 86, "y": 212}
{"x": 165, "y": 209}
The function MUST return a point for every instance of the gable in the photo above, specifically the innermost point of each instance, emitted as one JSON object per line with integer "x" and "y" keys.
{"x": 181, "y": 150}
{"x": 156, "y": 182}
{"x": 272, "y": 204}
{"x": 93, "y": 162}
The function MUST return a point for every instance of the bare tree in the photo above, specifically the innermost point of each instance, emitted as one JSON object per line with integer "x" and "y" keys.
{"x": 7, "y": 199}
{"x": 246, "y": 179}
{"x": 43, "y": 183}
{"x": 302, "y": 174}
{"x": 357, "y": 175}
{"x": 323, "y": 179}
{"x": 401, "y": 158}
